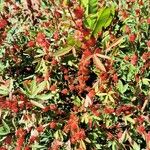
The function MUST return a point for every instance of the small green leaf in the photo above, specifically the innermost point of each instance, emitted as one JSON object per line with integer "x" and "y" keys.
{"x": 44, "y": 96}
{"x": 37, "y": 104}
{"x": 62, "y": 51}
{"x": 120, "y": 86}
{"x": 4, "y": 129}
{"x": 40, "y": 88}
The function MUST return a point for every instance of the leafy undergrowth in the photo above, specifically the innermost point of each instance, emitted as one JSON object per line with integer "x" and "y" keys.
{"x": 74, "y": 75}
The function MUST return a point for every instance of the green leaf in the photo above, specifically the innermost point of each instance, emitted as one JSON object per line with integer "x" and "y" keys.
{"x": 146, "y": 81}
{"x": 114, "y": 145}
{"x": 40, "y": 88}
{"x": 136, "y": 146}
{"x": 108, "y": 22}
{"x": 35, "y": 103}
{"x": 104, "y": 19}
{"x": 129, "y": 119}
{"x": 103, "y": 15}
{"x": 120, "y": 86}
{"x": 44, "y": 96}
{"x": 62, "y": 51}
{"x": 4, "y": 129}
{"x": 1, "y": 5}
{"x": 93, "y": 6}
{"x": 33, "y": 86}
{"x": 90, "y": 21}
{"x": 4, "y": 92}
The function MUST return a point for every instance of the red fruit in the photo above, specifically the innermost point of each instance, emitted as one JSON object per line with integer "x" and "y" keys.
{"x": 109, "y": 136}
{"x": 52, "y": 125}
{"x": 132, "y": 37}
{"x": 79, "y": 12}
{"x": 3, "y": 23}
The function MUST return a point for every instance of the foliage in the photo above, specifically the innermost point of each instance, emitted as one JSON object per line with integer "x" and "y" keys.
{"x": 74, "y": 75}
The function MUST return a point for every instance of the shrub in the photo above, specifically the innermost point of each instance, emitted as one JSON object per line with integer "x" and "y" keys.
{"x": 74, "y": 74}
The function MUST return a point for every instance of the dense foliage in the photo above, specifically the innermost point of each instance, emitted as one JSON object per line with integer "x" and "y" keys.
{"x": 74, "y": 74}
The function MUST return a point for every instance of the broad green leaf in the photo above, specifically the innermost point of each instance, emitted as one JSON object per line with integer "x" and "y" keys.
{"x": 103, "y": 16}
{"x": 93, "y": 6}
{"x": 91, "y": 20}
{"x": 62, "y": 51}
{"x": 108, "y": 22}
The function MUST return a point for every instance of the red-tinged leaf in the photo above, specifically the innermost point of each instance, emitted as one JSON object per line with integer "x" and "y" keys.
{"x": 98, "y": 63}
{"x": 118, "y": 41}
{"x": 87, "y": 101}
{"x": 103, "y": 56}
{"x": 37, "y": 104}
